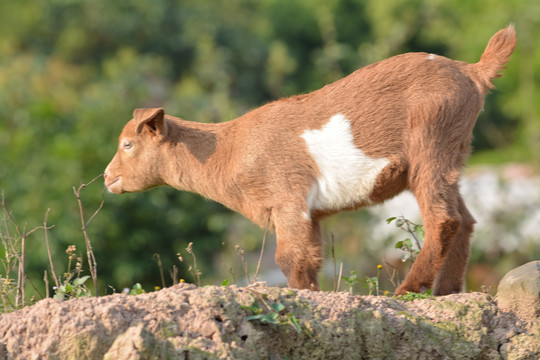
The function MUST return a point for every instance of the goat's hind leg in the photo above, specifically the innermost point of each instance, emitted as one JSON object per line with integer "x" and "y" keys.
{"x": 451, "y": 276}
{"x": 437, "y": 194}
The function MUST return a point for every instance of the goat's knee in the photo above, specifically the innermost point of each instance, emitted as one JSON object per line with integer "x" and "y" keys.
{"x": 286, "y": 261}
{"x": 467, "y": 222}
{"x": 443, "y": 234}
{"x": 299, "y": 255}
{"x": 451, "y": 276}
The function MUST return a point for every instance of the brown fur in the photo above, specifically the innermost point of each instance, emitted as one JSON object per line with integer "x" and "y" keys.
{"x": 416, "y": 110}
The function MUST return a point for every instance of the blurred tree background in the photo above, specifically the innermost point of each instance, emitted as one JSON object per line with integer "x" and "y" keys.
{"x": 72, "y": 71}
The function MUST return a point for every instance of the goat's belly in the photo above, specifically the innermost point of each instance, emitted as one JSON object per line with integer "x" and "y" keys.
{"x": 346, "y": 175}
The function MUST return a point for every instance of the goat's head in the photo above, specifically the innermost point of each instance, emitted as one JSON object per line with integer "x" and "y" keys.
{"x": 136, "y": 164}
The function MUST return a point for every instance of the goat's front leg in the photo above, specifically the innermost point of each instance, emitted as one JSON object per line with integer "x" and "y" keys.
{"x": 299, "y": 249}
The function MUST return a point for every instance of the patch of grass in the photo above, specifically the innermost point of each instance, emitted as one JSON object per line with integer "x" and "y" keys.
{"x": 410, "y": 296}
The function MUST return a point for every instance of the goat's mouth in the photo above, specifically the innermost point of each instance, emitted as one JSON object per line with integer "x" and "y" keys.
{"x": 114, "y": 186}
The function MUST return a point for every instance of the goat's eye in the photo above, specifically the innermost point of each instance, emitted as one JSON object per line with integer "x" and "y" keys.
{"x": 126, "y": 145}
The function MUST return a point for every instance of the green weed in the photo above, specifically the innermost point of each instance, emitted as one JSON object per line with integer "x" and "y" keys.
{"x": 372, "y": 283}
{"x": 275, "y": 314}
{"x": 417, "y": 233}
{"x": 351, "y": 280}
{"x": 73, "y": 285}
{"x": 73, "y": 289}
{"x": 137, "y": 290}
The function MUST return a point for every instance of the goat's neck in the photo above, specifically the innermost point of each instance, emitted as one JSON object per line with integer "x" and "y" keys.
{"x": 200, "y": 158}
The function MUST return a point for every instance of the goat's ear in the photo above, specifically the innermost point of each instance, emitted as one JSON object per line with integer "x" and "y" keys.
{"x": 152, "y": 119}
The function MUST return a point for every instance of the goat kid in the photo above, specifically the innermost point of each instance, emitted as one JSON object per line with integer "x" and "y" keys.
{"x": 401, "y": 123}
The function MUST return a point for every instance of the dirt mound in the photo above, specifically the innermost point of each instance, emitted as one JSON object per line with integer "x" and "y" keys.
{"x": 259, "y": 322}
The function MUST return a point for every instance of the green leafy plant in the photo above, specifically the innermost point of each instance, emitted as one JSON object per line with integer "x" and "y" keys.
{"x": 411, "y": 249}
{"x": 351, "y": 280}
{"x": 73, "y": 289}
{"x": 73, "y": 285}
{"x": 271, "y": 317}
{"x": 137, "y": 290}
{"x": 372, "y": 283}
{"x": 275, "y": 314}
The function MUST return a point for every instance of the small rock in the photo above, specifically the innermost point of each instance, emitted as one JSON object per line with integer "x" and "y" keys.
{"x": 134, "y": 344}
{"x": 519, "y": 291}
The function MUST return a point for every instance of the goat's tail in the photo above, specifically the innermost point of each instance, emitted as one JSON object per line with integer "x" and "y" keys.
{"x": 495, "y": 56}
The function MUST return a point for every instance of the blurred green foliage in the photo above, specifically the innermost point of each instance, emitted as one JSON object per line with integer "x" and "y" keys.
{"x": 72, "y": 71}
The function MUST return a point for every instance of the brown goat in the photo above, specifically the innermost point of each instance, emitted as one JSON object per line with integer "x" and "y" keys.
{"x": 401, "y": 123}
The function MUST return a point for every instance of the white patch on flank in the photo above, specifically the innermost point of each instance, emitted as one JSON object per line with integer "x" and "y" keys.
{"x": 431, "y": 57}
{"x": 347, "y": 175}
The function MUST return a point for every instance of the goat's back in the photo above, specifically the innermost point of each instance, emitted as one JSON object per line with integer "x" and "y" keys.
{"x": 383, "y": 101}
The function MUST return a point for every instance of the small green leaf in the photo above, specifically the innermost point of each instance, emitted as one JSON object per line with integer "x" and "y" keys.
{"x": 389, "y": 220}
{"x": 419, "y": 229}
{"x": 307, "y": 331}
{"x": 294, "y": 322}
{"x": 270, "y": 318}
{"x": 351, "y": 280}
{"x": 254, "y": 317}
{"x": 80, "y": 281}
{"x": 226, "y": 282}
{"x": 408, "y": 243}
{"x": 278, "y": 307}
{"x": 399, "y": 244}
{"x": 254, "y": 308}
